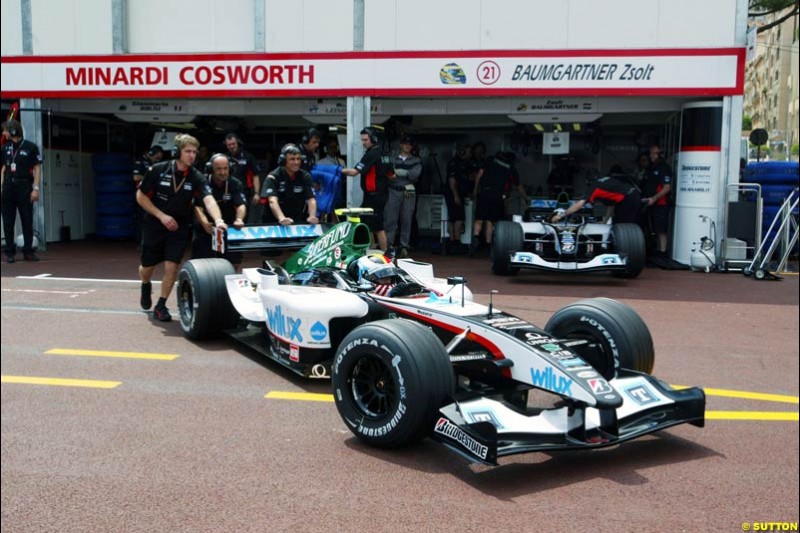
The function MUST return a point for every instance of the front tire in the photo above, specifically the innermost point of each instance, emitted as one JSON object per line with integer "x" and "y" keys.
{"x": 508, "y": 238}
{"x": 390, "y": 378}
{"x": 629, "y": 241}
{"x": 619, "y": 335}
{"x": 203, "y": 304}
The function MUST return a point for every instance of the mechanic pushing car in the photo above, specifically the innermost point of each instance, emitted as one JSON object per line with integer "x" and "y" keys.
{"x": 616, "y": 190}
{"x": 229, "y": 194}
{"x": 288, "y": 190}
{"x": 166, "y": 194}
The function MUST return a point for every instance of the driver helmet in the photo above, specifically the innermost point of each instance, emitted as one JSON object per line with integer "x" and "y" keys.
{"x": 377, "y": 269}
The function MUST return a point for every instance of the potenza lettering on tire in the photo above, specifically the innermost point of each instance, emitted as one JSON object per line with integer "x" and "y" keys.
{"x": 605, "y": 333}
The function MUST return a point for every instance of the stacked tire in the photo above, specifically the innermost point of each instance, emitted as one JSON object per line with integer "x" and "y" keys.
{"x": 777, "y": 179}
{"x": 114, "y": 196}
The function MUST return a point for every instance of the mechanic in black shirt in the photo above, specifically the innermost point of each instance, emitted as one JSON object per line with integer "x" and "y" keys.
{"x": 167, "y": 194}
{"x": 374, "y": 169}
{"x": 288, "y": 190}
{"x": 492, "y": 184}
{"x": 246, "y": 170}
{"x": 615, "y": 190}
{"x": 229, "y": 195}
{"x": 19, "y": 181}
{"x": 308, "y": 148}
{"x": 459, "y": 188}
{"x": 655, "y": 189}
{"x": 154, "y": 155}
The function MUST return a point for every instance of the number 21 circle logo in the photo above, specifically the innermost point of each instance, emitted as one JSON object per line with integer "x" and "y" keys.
{"x": 488, "y": 72}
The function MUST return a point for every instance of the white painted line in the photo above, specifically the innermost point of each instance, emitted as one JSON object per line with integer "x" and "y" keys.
{"x": 74, "y": 310}
{"x": 72, "y": 293}
{"x": 43, "y": 276}
{"x": 93, "y": 280}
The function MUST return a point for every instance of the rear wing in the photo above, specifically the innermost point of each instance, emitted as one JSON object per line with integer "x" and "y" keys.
{"x": 268, "y": 237}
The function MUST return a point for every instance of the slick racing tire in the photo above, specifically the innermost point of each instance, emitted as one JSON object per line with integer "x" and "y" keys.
{"x": 390, "y": 378}
{"x": 629, "y": 242}
{"x": 203, "y": 304}
{"x": 507, "y": 239}
{"x": 618, "y": 336}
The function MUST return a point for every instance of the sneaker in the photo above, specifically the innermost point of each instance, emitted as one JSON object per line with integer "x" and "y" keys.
{"x": 146, "y": 300}
{"x": 161, "y": 313}
{"x": 403, "y": 253}
{"x": 10, "y": 258}
{"x": 30, "y": 256}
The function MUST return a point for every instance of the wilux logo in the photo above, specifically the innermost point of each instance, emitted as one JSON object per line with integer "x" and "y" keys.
{"x": 283, "y": 325}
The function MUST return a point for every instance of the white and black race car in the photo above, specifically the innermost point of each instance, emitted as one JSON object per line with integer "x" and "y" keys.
{"x": 422, "y": 359}
{"x": 581, "y": 243}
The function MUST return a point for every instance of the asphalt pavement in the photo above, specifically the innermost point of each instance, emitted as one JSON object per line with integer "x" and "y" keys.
{"x": 112, "y": 422}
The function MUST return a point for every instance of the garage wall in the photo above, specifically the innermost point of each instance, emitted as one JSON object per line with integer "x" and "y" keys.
{"x": 70, "y": 27}
{"x": 544, "y": 24}
{"x": 11, "y": 36}
{"x": 309, "y": 25}
{"x": 159, "y": 26}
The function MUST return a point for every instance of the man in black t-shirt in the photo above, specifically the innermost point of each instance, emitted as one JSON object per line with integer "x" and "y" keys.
{"x": 19, "y": 181}
{"x": 308, "y": 148}
{"x": 492, "y": 184}
{"x": 656, "y": 189}
{"x": 154, "y": 155}
{"x": 615, "y": 190}
{"x": 167, "y": 195}
{"x": 247, "y": 170}
{"x": 288, "y": 190}
{"x": 229, "y": 195}
{"x": 374, "y": 169}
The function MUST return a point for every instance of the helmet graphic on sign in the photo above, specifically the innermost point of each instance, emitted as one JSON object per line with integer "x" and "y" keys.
{"x": 452, "y": 74}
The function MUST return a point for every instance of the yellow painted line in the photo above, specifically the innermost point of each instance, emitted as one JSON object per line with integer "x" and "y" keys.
{"x": 788, "y": 273}
{"x": 752, "y": 415}
{"x": 302, "y": 396}
{"x": 780, "y": 398}
{"x": 60, "y": 382}
{"x": 124, "y": 355}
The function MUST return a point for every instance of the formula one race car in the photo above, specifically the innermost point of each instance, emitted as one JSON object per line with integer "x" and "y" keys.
{"x": 581, "y": 243}
{"x": 411, "y": 355}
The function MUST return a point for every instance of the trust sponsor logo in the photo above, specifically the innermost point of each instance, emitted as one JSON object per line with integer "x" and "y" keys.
{"x": 641, "y": 394}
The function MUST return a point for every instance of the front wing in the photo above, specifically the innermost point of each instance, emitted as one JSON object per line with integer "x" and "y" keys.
{"x": 484, "y": 429}
{"x": 600, "y": 263}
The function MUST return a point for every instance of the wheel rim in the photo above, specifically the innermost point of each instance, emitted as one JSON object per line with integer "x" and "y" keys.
{"x": 596, "y": 354}
{"x": 186, "y": 302}
{"x": 373, "y": 387}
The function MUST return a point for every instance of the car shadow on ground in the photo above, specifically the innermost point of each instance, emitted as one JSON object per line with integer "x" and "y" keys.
{"x": 532, "y": 473}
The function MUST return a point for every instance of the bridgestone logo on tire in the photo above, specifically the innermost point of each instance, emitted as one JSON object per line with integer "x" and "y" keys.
{"x": 383, "y": 430}
{"x": 452, "y": 431}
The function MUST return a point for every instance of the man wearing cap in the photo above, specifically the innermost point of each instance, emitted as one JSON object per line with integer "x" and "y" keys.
{"x": 402, "y": 200}
{"x": 19, "y": 180}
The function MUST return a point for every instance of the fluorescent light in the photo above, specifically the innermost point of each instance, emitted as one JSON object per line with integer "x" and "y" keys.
{"x": 557, "y": 126}
{"x": 576, "y": 126}
{"x": 538, "y": 127}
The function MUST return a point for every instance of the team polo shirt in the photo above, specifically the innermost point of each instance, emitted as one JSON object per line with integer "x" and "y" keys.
{"x": 610, "y": 190}
{"x": 658, "y": 175}
{"x": 174, "y": 192}
{"x": 246, "y": 168}
{"x": 19, "y": 159}
{"x": 374, "y": 170}
{"x": 229, "y": 196}
{"x": 291, "y": 191}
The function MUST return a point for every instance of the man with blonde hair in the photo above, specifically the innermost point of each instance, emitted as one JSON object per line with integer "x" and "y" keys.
{"x": 167, "y": 195}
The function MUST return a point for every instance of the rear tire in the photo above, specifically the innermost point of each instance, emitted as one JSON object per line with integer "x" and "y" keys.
{"x": 623, "y": 339}
{"x": 508, "y": 238}
{"x": 629, "y": 241}
{"x": 203, "y": 304}
{"x": 390, "y": 378}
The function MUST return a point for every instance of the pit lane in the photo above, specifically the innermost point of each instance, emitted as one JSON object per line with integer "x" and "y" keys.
{"x": 200, "y": 442}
